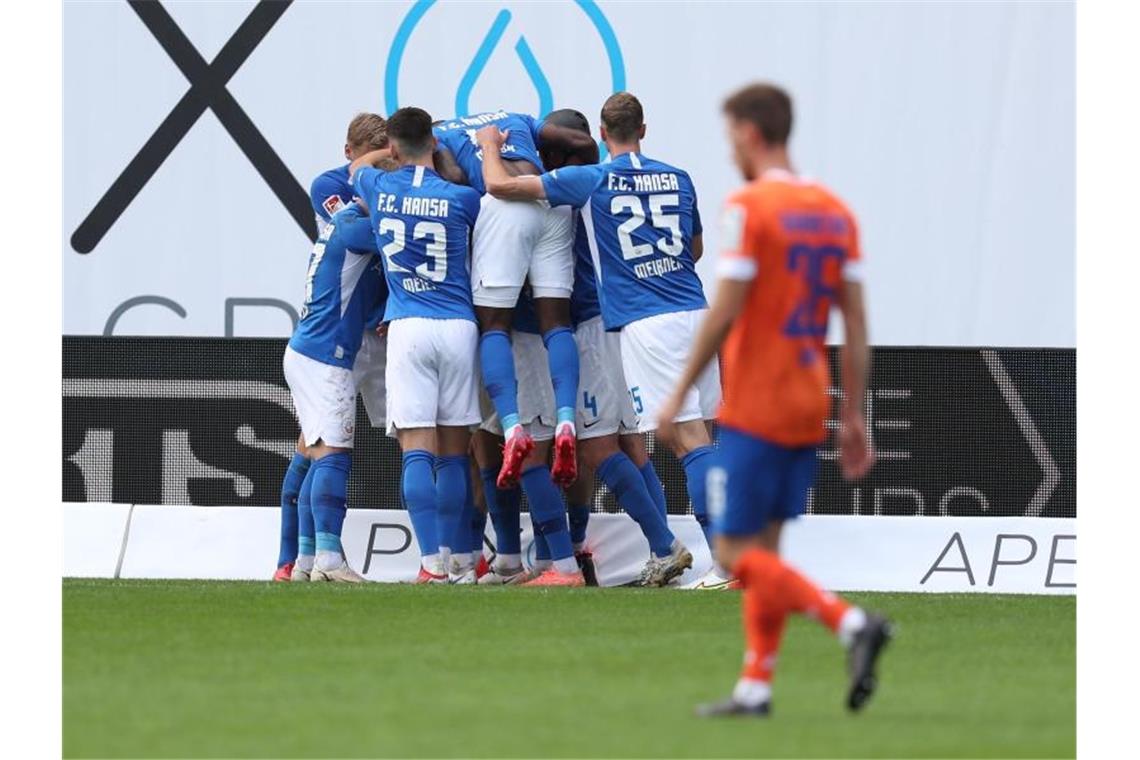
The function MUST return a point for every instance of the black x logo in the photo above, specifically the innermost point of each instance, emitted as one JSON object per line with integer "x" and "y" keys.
{"x": 208, "y": 90}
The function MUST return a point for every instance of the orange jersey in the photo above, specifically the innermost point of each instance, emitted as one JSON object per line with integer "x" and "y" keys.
{"x": 796, "y": 242}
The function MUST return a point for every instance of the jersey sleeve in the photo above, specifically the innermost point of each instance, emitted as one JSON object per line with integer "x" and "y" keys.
{"x": 324, "y": 194}
{"x": 363, "y": 182}
{"x": 571, "y": 185}
{"x": 741, "y": 236}
{"x": 355, "y": 229}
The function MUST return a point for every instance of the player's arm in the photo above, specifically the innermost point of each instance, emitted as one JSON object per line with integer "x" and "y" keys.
{"x": 697, "y": 246}
{"x": 495, "y": 176}
{"x": 856, "y": 456}
{"x": 447, "y": 167}
{"x": 571, "y": 142}
{"x": 377, "y": 159}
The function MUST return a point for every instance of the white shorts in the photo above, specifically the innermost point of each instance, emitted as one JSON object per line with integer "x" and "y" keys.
{"x": 604, "y": 404}
{"x": 368, "y": 374}
{"x": 324, "y": 398}
{"x": 654, "y": 352}
{"x": 536, "y": 391}
{"x": 432, "y": 373}
{"x": 514, "y": 241}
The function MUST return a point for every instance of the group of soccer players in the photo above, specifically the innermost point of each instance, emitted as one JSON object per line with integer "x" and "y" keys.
{"x": 516, "y": 312}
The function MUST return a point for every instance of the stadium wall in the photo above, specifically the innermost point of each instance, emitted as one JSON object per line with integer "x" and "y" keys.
{"x": 174, "y": 449}
{"x": 949, "y": 128}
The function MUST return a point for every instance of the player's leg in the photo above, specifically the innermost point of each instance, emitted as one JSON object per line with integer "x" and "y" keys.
{"x": 305, "y": 378}
{"x": 479, "y": 521}
{"x": 755, "y": 487}
{"x": 306, "y": 532}
{"x": 456, "y": 345}
{"x": 653, "y": 354}
{"x": 502, "y": 506}
{"x": 551, "y": 275}
{"x": 633, "y": 444}
{"x": 548, "y": 515}
{"x": 290, "y": 491}
{"x": 412, "y": 403}
{"x": 579, "y": 505}
{"x": 332, "y": 466}
{"x": 502, "y": 240}
{"x": 455, "y": 502}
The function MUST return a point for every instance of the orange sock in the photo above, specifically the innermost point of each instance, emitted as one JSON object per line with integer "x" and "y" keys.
{"x": 763, "y": 630}
{"x": 784, "y": 590}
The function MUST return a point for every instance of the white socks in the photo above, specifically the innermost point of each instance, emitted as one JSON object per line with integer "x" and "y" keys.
{"x": 305, "y": 562}
{"x": 566, "y": 565}
{"x": 432, "y": 564}
{"x": 850, "y": 624}
{"x": 328, "y": 560}
{"x": 751, "y": 692}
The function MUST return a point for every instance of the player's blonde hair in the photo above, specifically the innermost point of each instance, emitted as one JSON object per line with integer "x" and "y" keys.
{"x": 367, "y": 131}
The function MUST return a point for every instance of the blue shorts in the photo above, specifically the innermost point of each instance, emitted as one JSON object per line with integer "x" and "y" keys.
{"x": 754, "y": 482}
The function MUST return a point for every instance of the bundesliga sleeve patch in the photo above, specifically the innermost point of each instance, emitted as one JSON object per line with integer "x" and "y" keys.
{"x": 332, "y": 204}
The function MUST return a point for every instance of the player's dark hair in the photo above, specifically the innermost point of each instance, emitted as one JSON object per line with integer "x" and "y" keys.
{"x": 569, "y": 118}
{"x": 367, "y": 131}
{"x": 767, "y": 106}
{"x": 622, "y": 117}
{"x": 410, "y": 129}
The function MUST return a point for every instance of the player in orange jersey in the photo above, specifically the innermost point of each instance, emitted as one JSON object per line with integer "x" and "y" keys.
{"x": 790, "y": 252}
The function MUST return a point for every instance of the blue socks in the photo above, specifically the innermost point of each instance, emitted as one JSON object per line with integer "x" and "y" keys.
{"x": 418, "y": 489}
{"x": 548, "y": 514}
{"x": 498, "y": 366}
{"x": 306, "y": 531}
{"x": 329, "y": 499}
{"x": 290, "y": 491}
{"x": 451, "y": 492}
{"x": 653, "y": 485}
{"x": 579, "y": 515}
{"x": 621, "y": 476}
{"x": 478, "y": 526}
{"x": 696, "y": 464}
{"x": 503, "y": 507}
{"x": 562, "y": 355}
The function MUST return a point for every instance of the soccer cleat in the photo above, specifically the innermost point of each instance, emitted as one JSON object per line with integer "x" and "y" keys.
{"x": 465, "y": 578}
{"x": 342, "y": 574}
{"x": 482, "y": 567}
{"x": 284, "y": 573}
{"x": 425, "y": 576}
{"x": 730, "y": 708}
{"x": 586, "y": 566}
{"x": 517, "y": 448}
{"x": 862, "y": 656}
{"x": 554, "y": 578}
{"x": 659, "y": 571}
{"x": 564, "y": 466}
{"x": 504, "y": 576}
{"x": 298, "y": 575}
{"x": 713, "y": 581}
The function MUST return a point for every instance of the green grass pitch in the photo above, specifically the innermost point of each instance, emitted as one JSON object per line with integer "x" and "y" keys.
{"x": 188, "y": 668}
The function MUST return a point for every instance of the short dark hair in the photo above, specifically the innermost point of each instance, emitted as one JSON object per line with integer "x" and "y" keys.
{"x": 410, "y": 129}
{"x": 367, "y": 131}
{"x": 767, "y": 106}
{"x": 622, "y": 116}
{"x": 569, "y": 118}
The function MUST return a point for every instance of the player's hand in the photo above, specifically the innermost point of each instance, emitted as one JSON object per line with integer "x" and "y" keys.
{"x": 382, "y": 329}
{"x": 856, "y": 453}
{"x": 491, "y": 136}
{"x": 666, "y": 432}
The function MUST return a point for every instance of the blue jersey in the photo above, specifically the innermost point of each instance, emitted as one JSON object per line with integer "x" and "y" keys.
{"x": 458, "y": 136}
{"x": 423, "y": 228}
{"x": 640, "y": 217}
{"x": 329, "y": 193}
{"x": 342, "y": 288}
{"x": 584, "y": 304}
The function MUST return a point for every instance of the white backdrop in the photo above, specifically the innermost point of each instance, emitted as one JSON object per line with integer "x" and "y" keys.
{"x": 948, "y": 127}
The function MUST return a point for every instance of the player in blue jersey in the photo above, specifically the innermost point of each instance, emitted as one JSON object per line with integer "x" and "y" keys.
{"x": 423, "y": 227}
{"x": 515, "y": 242}
{"x": 644, "y": 232}
{"x": 318, "y": 367}
{"x": 329, "y": 193}
{"x": 604, "y": 410}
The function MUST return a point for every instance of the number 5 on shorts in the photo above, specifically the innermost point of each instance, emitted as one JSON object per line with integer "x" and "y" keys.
{"x": 635, "y": 396}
